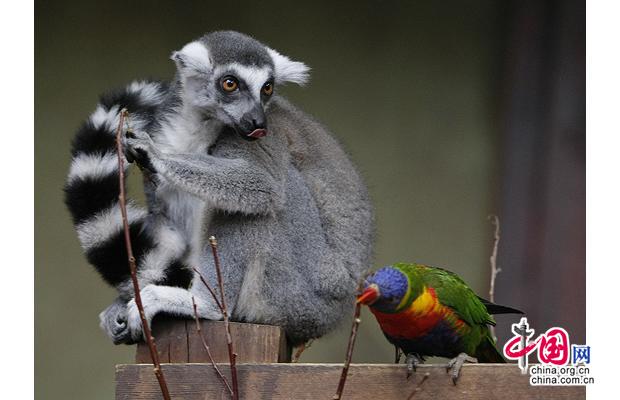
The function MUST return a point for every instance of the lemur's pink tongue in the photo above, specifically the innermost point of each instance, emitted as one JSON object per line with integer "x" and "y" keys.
{"x": 258, "y": 133}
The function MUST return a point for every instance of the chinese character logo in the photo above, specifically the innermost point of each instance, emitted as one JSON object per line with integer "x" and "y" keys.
{"x": 553, "y": 346}
{"x": 581, "y": 354}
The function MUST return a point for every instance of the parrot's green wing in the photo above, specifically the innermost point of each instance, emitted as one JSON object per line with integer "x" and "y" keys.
{"x": 453, "y": 292}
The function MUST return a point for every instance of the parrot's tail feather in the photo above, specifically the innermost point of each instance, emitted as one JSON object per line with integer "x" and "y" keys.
{"x": 493, "y": 308}
{"x": 488, "y": 353}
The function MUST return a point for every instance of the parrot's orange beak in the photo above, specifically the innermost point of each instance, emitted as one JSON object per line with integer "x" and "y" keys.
{"x": 369, "y": 295}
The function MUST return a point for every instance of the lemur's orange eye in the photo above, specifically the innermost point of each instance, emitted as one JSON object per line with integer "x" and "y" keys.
{"x": 268, "y": 88}
{"x": 229, "y": 84}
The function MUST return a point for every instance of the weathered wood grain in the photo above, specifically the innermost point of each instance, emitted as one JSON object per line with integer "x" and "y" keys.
{"x": 319, "y": 381}
{"x": 178, "y": 342}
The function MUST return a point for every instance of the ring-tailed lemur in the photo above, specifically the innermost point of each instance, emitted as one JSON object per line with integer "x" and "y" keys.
{"x": 222, "y": 154}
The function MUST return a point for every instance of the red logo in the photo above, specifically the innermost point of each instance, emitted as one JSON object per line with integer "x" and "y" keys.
{"x": 553, "y": 346}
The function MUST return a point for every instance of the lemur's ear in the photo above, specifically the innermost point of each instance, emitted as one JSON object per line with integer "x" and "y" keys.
{"x": 192, "y": 60}
{"x": 287, "y": 70}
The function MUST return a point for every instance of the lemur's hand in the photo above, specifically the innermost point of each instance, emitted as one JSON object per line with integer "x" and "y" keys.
{"x": 139, "y": 148}
{"x": 113, "y": 321}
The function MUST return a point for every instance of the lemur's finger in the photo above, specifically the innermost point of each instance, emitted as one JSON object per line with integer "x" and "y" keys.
{"x": 141, "y": 158}
{"x": 129, "y": 156}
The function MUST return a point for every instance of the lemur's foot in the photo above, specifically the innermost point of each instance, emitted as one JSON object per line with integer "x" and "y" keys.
{"x": 456, "y": 363}
{"x": 150, "y": 303}
{"x": 300, "y": 349}
{"x": 412, "y": 360}
{"x": 171, "y": 300}
{"x": 113, "y": 321}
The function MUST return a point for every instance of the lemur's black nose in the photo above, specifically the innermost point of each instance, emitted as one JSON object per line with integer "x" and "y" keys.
{"x": 259, "y": 123}
{"x": 255, "y": 123}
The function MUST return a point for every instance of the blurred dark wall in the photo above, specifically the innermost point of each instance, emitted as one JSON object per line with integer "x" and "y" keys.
{"x": 417, "y": 92}
{"x": 543, "y": 193}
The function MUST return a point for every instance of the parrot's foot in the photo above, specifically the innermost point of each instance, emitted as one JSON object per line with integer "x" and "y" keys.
{"x": 397, "y": 355}
{"x": 412, "y": 360}
{"x": 456, "y": 363}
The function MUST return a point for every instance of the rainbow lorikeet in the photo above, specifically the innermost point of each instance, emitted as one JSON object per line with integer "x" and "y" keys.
{"x": 427, "y": 311}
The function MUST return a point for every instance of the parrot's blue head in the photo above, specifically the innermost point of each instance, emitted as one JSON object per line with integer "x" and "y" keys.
{"x": 385, "y": 289}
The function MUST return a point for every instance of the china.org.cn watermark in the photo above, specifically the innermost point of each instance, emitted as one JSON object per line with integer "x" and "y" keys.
{"x": 561, "y": 364}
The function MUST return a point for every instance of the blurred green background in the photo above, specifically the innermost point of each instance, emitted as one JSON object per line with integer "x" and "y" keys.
{"x": 412, "y": 89}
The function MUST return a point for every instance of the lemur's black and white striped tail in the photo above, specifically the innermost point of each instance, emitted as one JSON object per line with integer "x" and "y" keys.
{"x": 92, "y": 190}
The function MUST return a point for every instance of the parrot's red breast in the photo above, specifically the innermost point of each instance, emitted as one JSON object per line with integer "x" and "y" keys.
{"x": 418, "y": 319}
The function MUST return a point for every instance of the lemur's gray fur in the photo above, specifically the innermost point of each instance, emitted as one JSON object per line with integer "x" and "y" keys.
{"x": 292, "y": 216}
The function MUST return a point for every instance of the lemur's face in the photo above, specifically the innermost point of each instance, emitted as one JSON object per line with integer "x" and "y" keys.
{"x": 230, "y": 78}
{"x": 242, "y": 93}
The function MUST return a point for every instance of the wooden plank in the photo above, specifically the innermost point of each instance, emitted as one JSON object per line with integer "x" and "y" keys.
{"x": 285, "y": 350}
{"x": 178, "y": 342}
{"x": 171, "y": 339}
{"x": 319, "y": 381}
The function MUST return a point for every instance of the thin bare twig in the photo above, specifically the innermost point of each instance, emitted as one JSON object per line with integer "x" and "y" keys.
{"x": 419, "y": 386}
{"x": 209, "y": 288}
{"x": 231, "y": 353}
{"x": 493, "y": 261}
{"x": 301, "y": 349}
{"x": 206, "y": 347}
{"x": 347, "y": 362}
{"x": 150, "y": 340}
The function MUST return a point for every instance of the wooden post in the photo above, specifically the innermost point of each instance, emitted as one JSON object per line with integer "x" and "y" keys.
{"x": 178, "y": 342}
